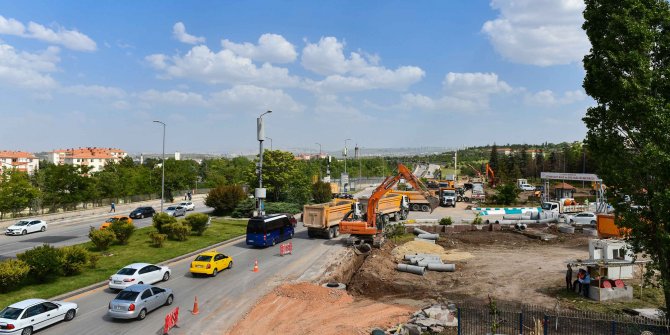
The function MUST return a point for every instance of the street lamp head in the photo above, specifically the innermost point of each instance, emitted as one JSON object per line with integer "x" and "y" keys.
{"x": 268, "y": 112}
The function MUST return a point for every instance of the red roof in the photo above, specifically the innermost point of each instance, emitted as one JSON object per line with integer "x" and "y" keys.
{"x": 16, "y": 154}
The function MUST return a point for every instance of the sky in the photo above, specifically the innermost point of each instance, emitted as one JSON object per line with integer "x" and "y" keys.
{"x": 384, "y": 74}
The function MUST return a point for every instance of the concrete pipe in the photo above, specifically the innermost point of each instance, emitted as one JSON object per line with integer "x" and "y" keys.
{"x": 566, "y": 229}
{"x": 442, "y": 267}
{"x": 419, "y": 231}
{"x": 549, "y": 220}
{"x": 429, "y": 236}
{"x": 425, "y": 263}
{"x": 527, "y": 221}
{"x": 411, "y": 269}
{"x": 508, "y": 221}
{"x": 512, "y": 217}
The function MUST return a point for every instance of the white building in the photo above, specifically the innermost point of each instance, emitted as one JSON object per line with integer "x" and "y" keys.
{"x": 615, "y": 252}
{"x": 177, "y": 155}
{"x": 20, "y": 160}
{"x": 96, "y": 158}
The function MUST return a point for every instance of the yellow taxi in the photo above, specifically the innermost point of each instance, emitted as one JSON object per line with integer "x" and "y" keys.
{"x": 109, "y": 221}
{"x": 210, "y": 263}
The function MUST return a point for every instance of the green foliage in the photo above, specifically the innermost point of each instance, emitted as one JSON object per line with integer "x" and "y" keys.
{"x": 93, "y": 260}
{"x": 198, "y": 223}
{"x": 16, "y": 192}
{"x": 222, "y": 171}
{"x": 161, "y": 219}
{"x": 321, "y": 192}
{"x": 102, "y": 239}
{"x": 157, "y": 239}
{"x": 12, "y": 273}
{"x": 63, "y": 186}
{"x": 279, "y": 169}
{"x": 478, "y": 219}
{"x": 75, "y": 258}
{"x": 507, "y": 194}
{"x": 122, "y": 230}
{"x": 627, "y": 77}
{"x": 177, "y": 231}
{"x": 282, "y": 207}
{"x": 446, "y": 221}
{"x": 244, "y": 209}
{"x": 45, "y": 261}
{"x": 394, "y": 230}
{"x": 224, "y": 198}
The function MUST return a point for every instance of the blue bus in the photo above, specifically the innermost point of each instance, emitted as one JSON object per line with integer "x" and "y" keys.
{"x": 263, "y": 231}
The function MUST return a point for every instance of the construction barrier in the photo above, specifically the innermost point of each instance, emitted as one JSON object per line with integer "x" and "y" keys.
{"x": 171, "y": 320}
{"x": 286, "y": 249}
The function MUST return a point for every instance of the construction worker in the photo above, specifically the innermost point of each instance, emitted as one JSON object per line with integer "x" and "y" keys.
{"x": 568, "y": 278}
{"x": 577, "y": 284}
{"x": 586, "y": 284}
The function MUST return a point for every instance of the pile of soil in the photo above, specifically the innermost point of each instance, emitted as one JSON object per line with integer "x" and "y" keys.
{"x": 305, "y": 308}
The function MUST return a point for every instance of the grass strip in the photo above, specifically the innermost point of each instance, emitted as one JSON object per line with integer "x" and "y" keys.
{"x": 138, "y": 249}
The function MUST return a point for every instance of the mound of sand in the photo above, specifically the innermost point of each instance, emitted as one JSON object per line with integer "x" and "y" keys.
{"x": 421, "y": 247}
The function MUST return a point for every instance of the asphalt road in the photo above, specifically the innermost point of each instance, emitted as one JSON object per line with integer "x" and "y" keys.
{"x": 68, "y": 232}
{"x": 222, "y": 300}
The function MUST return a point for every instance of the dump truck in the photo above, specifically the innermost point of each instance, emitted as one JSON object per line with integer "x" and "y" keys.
{"x": 448, "y": 197}
{"x": 324, "y": 219}
{"x": 417, "y": 201}
{"x": 564, "y": 206}
{"x": 391, "y": 207}
{"x": 478, "y": 192}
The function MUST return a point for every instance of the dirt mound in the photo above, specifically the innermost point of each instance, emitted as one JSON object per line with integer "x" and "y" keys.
{"x": 421, "y": 247}
{"x": 305, "y": 308}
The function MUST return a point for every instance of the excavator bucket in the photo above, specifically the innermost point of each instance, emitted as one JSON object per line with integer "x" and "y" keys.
{"x": 433, "y": 201}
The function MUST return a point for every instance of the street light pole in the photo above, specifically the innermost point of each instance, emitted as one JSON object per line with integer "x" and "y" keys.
{"x": 270, "y": 142}
{"x": 345, "y": 155}
{"x": 163, "y": 167}
{"x": 319, "y": 144}
{"x": 260, "y": 192}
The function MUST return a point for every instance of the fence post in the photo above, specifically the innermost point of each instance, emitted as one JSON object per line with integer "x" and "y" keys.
{"x": 521, "y": 323}
{"x": 613, "y": 327}
{"x": 458, "y": 313}
{"x": 545, "y": 324}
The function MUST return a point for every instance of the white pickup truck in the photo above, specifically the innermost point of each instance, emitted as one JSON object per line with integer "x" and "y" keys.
{"x": 560, "y": 207}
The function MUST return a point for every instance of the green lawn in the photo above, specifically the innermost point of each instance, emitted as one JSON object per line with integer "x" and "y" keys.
{"x": 138, "y": 249}
{"x": 651, "y": 298}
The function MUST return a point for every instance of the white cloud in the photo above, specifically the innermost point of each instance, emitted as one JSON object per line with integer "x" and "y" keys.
{"x": 474, "y": 85}
{"x": 271, "y": 48}
{"x": 329, "y": 105}
{"x": 28, "y": 70}
{"x": 249, "y": 98}
{"x": 179, "y": 32}
{"x": 71, "y": 39}
{"x": 358, "y": 72}
{"x": 446, "y": 104}
{"x": 172, "y": 97}
{"x": 223, "y": 67}
{"x": 547, "y": 98}
{"x": 95, "y": 91}
{"x": 538, "y": 32}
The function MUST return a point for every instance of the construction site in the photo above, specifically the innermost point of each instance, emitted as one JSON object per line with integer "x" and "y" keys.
{"x": 407, "y": 271}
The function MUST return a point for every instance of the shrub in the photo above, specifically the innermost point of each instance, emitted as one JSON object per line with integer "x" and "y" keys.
{"x": 321, "y": 192}
{"x": 157, "y": 239}
{"x": 507, "y": 194}
{"x": 162, "y": 219}
{"x": 244, "y": 209}
{"x": 45, "y": 261}
{"x": 102, "y": 239}
{"x": 197, "y": 222}
{"x": 122, "y": 231}
{"x": 225, "y": 198}
{"x": 75, "y": 257}
{"x": 177, "y": 231}
{"x": 12, "y": 274}
{"x": 477, "y": 219}
{"x": 93, "y": 260}
{"x": 282, "y": 207}
{"x": 395, "y": 230}
{"x": 446, "y": 221}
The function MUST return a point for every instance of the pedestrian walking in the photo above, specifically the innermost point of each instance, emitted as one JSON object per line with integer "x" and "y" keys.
{"x": 568, "y": 278}
{"x": 113, "y": 208}
{"x": 189, "y": 196}
{"x": 185, "y": 196}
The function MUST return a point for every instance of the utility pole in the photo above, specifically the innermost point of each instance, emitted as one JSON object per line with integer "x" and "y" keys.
{"x": 344, "y": 185}
{"x": 319, "y": 160}
{"x": 163, "y": 167}
{"x": 260, "y": 191}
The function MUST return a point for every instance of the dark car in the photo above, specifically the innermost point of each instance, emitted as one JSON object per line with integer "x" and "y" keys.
{"x": 142, "y": 212}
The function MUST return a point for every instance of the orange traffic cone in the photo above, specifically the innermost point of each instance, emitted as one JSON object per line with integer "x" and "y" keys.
{"x": 256, "y": 265}
{"x": 195, "y": 310}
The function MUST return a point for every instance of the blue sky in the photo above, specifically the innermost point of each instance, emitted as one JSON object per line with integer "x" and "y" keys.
{"x": 383, "y": 73}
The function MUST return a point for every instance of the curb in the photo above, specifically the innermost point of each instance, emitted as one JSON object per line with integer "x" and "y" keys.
{"x": 176, "y": 259}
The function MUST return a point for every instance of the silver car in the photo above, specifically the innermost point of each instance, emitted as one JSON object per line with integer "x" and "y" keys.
{"x": 135, "y": 301}
{"x": 176, "y": 211}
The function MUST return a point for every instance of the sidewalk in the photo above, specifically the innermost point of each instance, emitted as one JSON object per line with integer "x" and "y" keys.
{"x": 121, "y": 209}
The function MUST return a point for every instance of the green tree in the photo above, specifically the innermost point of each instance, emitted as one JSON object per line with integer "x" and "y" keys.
{"x": 627, "y": 75}
{"x": 279, "y": 169}
{"x": 321, "y": 192}
{"x": 493, "y": 158}
{"x": 65, "y": 185}
{"x": 16, "y": 192}
{"x": 507, "y": 194}
{"x": 224, "y": 198}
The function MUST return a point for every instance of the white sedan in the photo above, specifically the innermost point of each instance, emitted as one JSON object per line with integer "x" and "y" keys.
{"x": 138, "y": 273}
{"x": 26, "y": 316}
{"x": 26, "y": 226}
{"x": 190, "y": 206}
{"x": 584, "y": 218}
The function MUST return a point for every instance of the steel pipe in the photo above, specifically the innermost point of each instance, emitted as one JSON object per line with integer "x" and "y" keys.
{"x": 441, "y": 267}
{"x": 411, "y": 269}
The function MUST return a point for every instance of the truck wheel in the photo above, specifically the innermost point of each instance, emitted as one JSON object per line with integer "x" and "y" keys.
{"x": 331, "y": 233}
{"x": 310, "y": 233}
{"x": 337, "y": 231}
{"x": 396, "y": 217}
{"x": 425, "y": 208}
{"x": 403, "y": 214}
{"x": 415, "y": 207}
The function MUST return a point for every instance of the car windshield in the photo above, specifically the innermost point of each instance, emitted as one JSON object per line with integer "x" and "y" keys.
{"x": 111, "y": 220}
{"x": 126, "y": 272}
{"x": 203, "y": 258}
{"x": 10, "y": 313}
{"x": 546, "y": 206}
{"x": 22, "y": 223}
{"x": 127, "y": 295}
{"x": 171, "y": 208}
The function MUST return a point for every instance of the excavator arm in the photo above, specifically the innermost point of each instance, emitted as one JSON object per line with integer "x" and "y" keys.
{"x": 419, "y": 186}
{"x": 492, "y": 178}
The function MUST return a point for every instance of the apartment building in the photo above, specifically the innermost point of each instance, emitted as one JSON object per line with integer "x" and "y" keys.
{"x": 93, "y": 157}
{"x": 20, "y": 160}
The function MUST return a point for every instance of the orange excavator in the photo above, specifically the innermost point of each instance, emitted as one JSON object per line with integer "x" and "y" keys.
{"x": 368, "y": 227}
{"x": 490, "y": 175}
